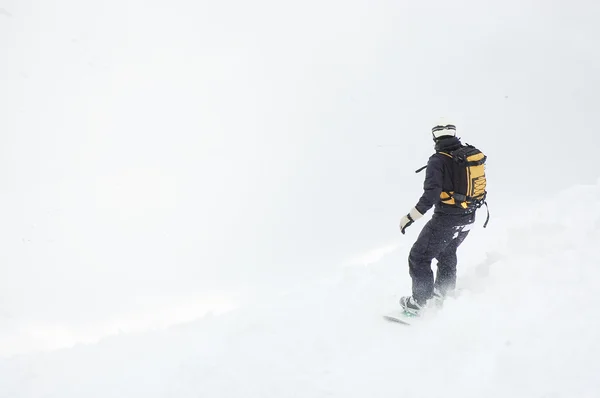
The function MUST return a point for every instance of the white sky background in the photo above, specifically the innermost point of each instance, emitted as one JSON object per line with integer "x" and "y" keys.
{"x": 151, "y": 150}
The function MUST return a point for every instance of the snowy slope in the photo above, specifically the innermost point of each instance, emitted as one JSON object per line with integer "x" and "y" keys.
{"x": 161, "y": 160}
{"x": 157, "y": 156}
{"x": 527, "y": 325}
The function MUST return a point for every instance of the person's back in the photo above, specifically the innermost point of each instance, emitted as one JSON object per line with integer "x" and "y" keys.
{"x": 439, "y": 179}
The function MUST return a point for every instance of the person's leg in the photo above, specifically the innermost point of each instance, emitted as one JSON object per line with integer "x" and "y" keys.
{"x": 432, "y": 240}
{"x": 445, "y": 280}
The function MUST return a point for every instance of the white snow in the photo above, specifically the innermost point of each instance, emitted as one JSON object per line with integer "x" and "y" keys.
{"x": 525, "y": 326}
{"x": 201, "y": 198}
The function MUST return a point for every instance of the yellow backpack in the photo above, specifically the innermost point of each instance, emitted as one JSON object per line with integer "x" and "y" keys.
{"x": 469, "y": 180}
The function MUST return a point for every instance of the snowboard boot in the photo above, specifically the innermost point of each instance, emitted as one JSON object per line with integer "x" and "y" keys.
{"x": 410, "y": 305}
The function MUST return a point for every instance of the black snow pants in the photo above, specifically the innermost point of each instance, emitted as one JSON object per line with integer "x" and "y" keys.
{"x": 439, "y": 239}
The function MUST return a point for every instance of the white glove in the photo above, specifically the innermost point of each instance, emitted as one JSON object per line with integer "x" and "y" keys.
{"x": 410, "y": 218}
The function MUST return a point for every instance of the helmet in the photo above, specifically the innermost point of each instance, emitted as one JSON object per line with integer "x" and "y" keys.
{"x": 443, "y": 128}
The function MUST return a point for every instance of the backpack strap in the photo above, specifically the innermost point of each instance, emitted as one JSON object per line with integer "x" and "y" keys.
{"x": 424, "y": 167}
{"x": 487, "y": 220}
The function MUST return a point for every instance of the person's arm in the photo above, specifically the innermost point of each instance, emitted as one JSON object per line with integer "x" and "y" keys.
{"x": 432, "y": 189}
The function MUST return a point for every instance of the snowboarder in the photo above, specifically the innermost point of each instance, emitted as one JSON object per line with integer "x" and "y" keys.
{"x": 456, "y": 195}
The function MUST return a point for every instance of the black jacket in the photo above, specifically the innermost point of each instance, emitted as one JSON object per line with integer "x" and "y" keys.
{"x": 438, "y": 178}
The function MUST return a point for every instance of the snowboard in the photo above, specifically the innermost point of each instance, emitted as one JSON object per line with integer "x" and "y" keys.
{"x": 401, "y": 316}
